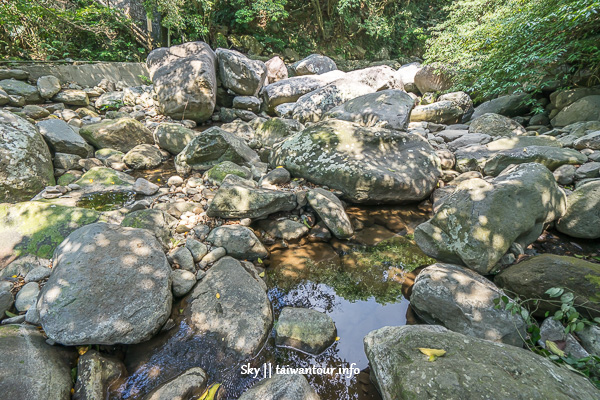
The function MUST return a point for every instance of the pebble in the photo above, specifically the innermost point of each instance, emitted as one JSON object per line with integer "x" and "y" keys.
{"x": 175, "y": 180}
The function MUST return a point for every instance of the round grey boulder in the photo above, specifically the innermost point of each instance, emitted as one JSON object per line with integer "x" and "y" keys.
{"x": 110, "y": 284}
{"x": 304, "y": 329}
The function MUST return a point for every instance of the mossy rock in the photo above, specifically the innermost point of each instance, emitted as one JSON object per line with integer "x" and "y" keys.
{"x": 38, "y": 227}
{"x": 102, "y": 176}
{"x": 156, "y": 221}
{"x": 66, "y": 179}
{"x": 531, "y": 278}
{"x": 216, "y": 174}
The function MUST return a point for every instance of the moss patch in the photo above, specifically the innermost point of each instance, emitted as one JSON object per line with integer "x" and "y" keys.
{"x": 104, "y": 177}
{"x": 40, "y": 227}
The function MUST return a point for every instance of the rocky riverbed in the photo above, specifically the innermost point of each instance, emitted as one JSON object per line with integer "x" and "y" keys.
{"x": 238, "y": 213}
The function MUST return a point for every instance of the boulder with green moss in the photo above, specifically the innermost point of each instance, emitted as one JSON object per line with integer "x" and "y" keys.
{"x": 476, "y": 224}
{"x": 102, "y": 176}
{"x": 216, "y": 174}
{"x": 531, "y": 278}
{"x": 121, "y": 134}
{"x": 37, "y": 228}
{"x": 369, "y": 165}
{"x": 274, "y": 130}
{"x": 25, "y": 161}
{"x": 212, "y": 147}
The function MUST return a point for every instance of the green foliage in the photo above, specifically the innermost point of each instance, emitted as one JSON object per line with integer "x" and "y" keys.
{"x": 498, "y": 46}
{"x": 78, "y": 29}
{"x": 568, "y": 316}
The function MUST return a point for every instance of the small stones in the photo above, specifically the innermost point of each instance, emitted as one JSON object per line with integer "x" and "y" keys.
{"x": 175, "y": 180}
{"x": 305, "y": 330}
{"x": 213, "y": 256}
{"x": 27, "y": 296}
{"x": 565, "y": 174}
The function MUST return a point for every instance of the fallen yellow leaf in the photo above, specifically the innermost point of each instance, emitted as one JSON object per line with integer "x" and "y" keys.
{"x": 550, "y": 345}
{"x": 432, "y": 353}
{"x": 262, "y": 274}
{"x": 14, "y": 276}
{"x": 337, "y": 338}
{"x": 218, "y": 296}
{"x": 210, "y": 392}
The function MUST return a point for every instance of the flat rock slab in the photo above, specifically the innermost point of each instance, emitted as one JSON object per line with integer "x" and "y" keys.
{"x": 110, "y": 284}
{"x": 471, "y": 369}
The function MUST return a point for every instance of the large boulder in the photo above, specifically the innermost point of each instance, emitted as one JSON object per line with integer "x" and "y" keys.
{"x": 315, "y": 64}
{"x": 32, "y": 369}
{"x": 472, "y": 368}
{"x": 239, "y": 242}
{"x": 584, "y": 109}
{"x": 185, "y": 80}
{"x": 291, "y": 89}
{"x": 582, "y": 219}
{"x": 25, "y": 161}
{"x": 565, "y": 98}
{"x": 289, "y": 387}
{"x": 240, "y": 198}
{"x": 18, "y": 88}
{"x": 463, "y": 301}
{"x": 433, "y": 78}
{"x": 480, "y": 220}
{"x": 462, "y": 100}
{"x": 312, "y": 106}
{"x": 496, "y": 125}
{"x": 121, "y": 134}
{"x": 109, "y": 285}
{"x": 407, "y": 73}
{"x": 369, "y": 165}
{"x": 239, "y": 73}
{"x": 276, "y": 70}
{"x": 440, "y": 112}
{"x": 212, "y": 147}
{"x": 62, "y": 138}
{"x": 390, "y": 109}
{"x": 510, "y": 105}
{"x": 475, "y": 157}
{"x": 226, "y": 317}
{"x": 37, "y": 228}
{"x": 550, "y": 156}
{"x": 173, "y": 137}
{"x": 530, "y": 279}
